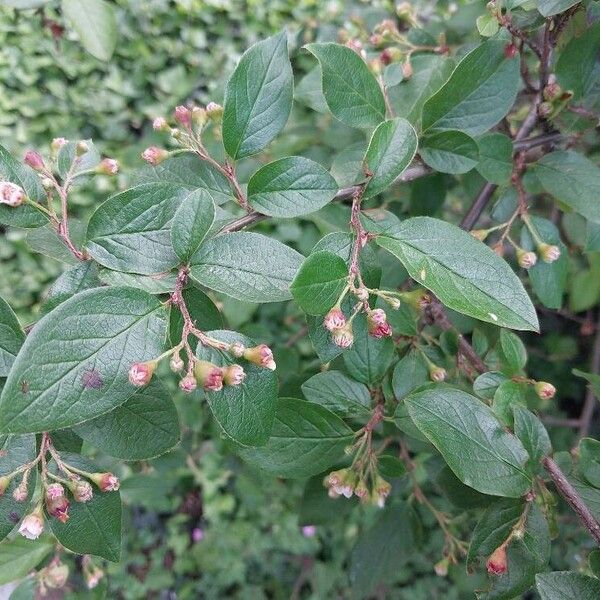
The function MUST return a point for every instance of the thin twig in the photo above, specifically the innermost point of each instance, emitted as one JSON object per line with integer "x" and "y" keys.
{"x": 589, "y": 405}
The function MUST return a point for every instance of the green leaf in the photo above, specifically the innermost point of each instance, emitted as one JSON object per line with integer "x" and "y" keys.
{"x": 244, "y": 412}
{"x": 46, "y": 241}
{"x": 409, "y": 373}
{"x": 338, "y": 393}
{"x": 392, "y": 147}
{"x": 320, "y": 282}
{"x": 131, "y": 231}
{"x": 430, "y": 72}
{"x": 382, "y": 550}
{"x": 11, "y": 337}
{"x": 93, "y": 527}
{"x": 188, "y": 171}
{"x": 487, "y": 25}
{"x": 147, "y": 425}
{"x": 573, "y": 179}
{"x": 553, "y": 7}
{"x": 191, "y": 223}
{"x": 495, "y": 157}
{"x": 78, "y": 278}
{"x": 576, "y": 66}
{"x": 202, "y": 309}
{"x": 458, "y": 493}
{"x": 369, "y": 358}
{"x": 95, "y": 23}
{"x": 69, "y": 159}
{"x": 462, "y": 272}
{"x": 74, "y": 364}
{"x": 15, "y": 450}
{"x": 486, "y": 384}
{"x": 567, "y": 585}
{"x": 159, "y": 283}
{"x": 246, "y": 266}
{"x": 548, "y": 280}
{"x": 351, "y": 91}
{"x": 290, "y": 187}
{"x": 514, "y": 353}
{"x": 258, "y": 97}
{"x": 450, "y": 152}
{"x": 589, "y": 460}
{"x": 19, "y": 556}
{"x": 463, "y": 102}
{"x": 306, "y": 439}
{"x": 16, "y": 172}
{"x": 509, "y": 395}
{"x": 532, "y": 433}
{"x": 471, "y": 440}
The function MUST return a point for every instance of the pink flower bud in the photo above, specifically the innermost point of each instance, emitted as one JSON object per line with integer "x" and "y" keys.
{"x": 526, "y": 259}
{"x": 107, "y": 482}
{"x": 544, "y": 390}
{"x": 497, "y": 563}
{"x": 344, "y": 338}
{"x": 54, "y": 491}
{"x": 20, "y": 493}
{"x": 108, "y": 166}
{"x": 55, "y": 575}
{"x": 34, "y": 160}
{"x": 334, "y": 319}
{"x": 309, "y": 531}
{"x": 140, "y": 374}
{"x": 208, "y": 375}
{"x": 380, "y": 331}
{"x": 160, "y": 124}
{"x": 93, "y": 577}
{"x": 441, "y": 567}
{"x": 11, "y": 194}
{"x": 233, "y": 375}
{"x": 437, "y": 374}
{"x": 197, "y": 535}
{"x": 58, "y": 507}
{"x": 260, "y": 355}
{"x": 32, "y": 525}
{"x": 214, "y": 110}
{"x": 82, "y": 491}
{"x": 176, "y": 363}
{"x": 188, "y": 384}
{"x": 199, "y": 116}
{"x": 549, "y": 253}
{"x": 237, "y": 349}
{"x": 183, "y": 116}
{"x": 155, "y": 155}
{"x": 58, "y": 143}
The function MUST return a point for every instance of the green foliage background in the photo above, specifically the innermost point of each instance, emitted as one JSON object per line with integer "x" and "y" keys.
{"x": 253, "y": 545}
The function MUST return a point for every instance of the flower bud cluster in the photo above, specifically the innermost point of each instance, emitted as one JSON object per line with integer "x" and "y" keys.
{"x": 347, "y": 482}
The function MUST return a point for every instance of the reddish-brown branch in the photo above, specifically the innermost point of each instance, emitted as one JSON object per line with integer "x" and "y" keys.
{"x": 568, "y": 492}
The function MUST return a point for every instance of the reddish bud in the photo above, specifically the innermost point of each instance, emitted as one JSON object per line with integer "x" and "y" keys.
{"x": 140, "y": 374}
{"x": 82, "y": 491}
{"x": 11, "y": 194}
{"x": 34, "y": 160}
{"x": 55, "y": 575}
{"x": 334, "y": 319}
{"x": 377, "y": 323}
{"x": 214, "y": 110}
{"x": 261, "y": 355}
{"x": 188, "y": 384}
{"x": 544, "y": 109}
{"x": 160, "y": 124}
{"x": 107, "y": 482}
{"x": 497, "y": 563}
{"x": 58, "y": 143}
{"x": 380, "y": 331}
{"x": 510, "y": 50}
{"x": 54, "y": 491}
{"x": 437, "y": 374}
{"x": 183, "y": 116}
{"x": 20, "y": 493}
{"x": 208, "y": 375}
{"x": 526, "y": 259}
{"x": 233, "y": 375}
{"x": 237, "y": 349}
{"x": 549, "y": 253}
{"x": 58, "y": 507}
{"x": 155, "y": 155}
{"x": 176, "y": 363}
{"x": 407, "y": 69}
{"x": 544, "y": 390}
{"x": 108, "y": 166}
{"x": 343, "y": 337}
{"x": 552, "y": 91}
{"x": 32, "y": 525}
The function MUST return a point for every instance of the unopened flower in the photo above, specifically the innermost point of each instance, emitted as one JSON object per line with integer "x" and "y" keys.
{"x": 441, "y": 568}
{"x": 407, "y": 69}
{"x": 437, "y": 374}
{"x": 480, "y": 234}
{"x": 510, "y": 51}
{"x": 361, "y": 490}
{"x": 93, "y": 577}
{"x": 381, "y": 490}
{"x": 377, "y": 323}
{"x": 237, "y": 349}
{"x": 55, "y": 575}
{"x": 82, "y": 491}
{"x": 309, "y": 531}
{"x": 34, "y": 160}
{"x": 4, "y": 483}
{"x": 208, "y": 375}
{"x": 197, "y": 534}
{"x": 32, "y": 525}
{"x": 11, "y": 194}
{"x": 343, "y": 337}
{"x": 549, "y": 253}
{"x": 108, "y": 166}
{"x": 214, "y": 110}
{"x": 199, "y": 116}
{"x": 176, "y": 363}
{"x": 544, "y": 390}
{"x": 497, "y": 563}
{"x": 362, "y": 294}
{"x": 160, "y": 124}
{"x": 552, "y": 91}
{"x": 58, "y": 507}
{"x": 188, "y": 384}
{"x": 81, "y": 148}
{"x": 58, "y": 143}
{"x": 544, "y": 109}
{"x": 140, "y": 374}
{"x": 54, "y": 491}
{"x": 260, "y": 355}
{"x": 526, "y": 259}
{"x": 183, "y": 115}
{"x": 233, "y": 375}
{"x": 334, "y": 319}
{"x": 107, "y": 482}
{"x": 155, "y": 155}
{"x": 342, "y": 482}
{"x": 419, "y": 299}
{"x": 21, "y": 493}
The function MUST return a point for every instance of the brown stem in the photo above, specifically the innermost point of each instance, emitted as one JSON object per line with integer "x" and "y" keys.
{"x": 568, "y": 492}
{"x": 589, "y": 405}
